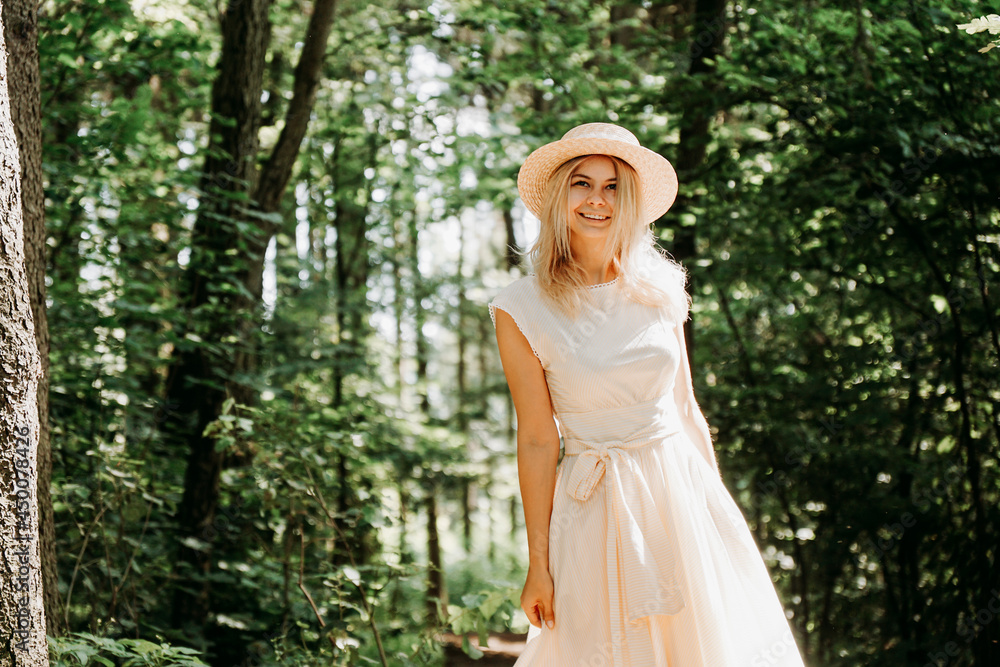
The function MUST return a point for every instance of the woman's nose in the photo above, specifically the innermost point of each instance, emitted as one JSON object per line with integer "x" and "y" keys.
{"x": 597, "y": 198}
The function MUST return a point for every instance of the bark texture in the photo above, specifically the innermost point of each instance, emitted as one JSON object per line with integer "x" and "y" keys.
{"x": 20, "y": 19}
{"x": 22, "y": 610}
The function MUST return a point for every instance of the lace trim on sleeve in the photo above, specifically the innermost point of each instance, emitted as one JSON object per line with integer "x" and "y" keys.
{"x": 493, "y": 306}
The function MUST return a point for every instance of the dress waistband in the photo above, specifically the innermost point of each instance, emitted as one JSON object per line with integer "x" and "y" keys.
{"x": 576, "y": 446}
{"x": 598, "y": 429}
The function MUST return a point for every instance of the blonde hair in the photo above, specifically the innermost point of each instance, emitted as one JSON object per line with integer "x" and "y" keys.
{"x": 647, "y": 274}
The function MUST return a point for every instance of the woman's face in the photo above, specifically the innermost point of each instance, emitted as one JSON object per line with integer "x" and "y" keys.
{"x": 592, "y": 196}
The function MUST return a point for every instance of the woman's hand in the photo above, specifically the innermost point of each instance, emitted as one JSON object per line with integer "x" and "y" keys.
{"x": 536, "y": 598}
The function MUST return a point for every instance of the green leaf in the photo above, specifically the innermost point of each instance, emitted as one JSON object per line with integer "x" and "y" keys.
{"x": 490, "y": 605}
{"x": 483, "y": 631}
{"x": 471, "y": 650}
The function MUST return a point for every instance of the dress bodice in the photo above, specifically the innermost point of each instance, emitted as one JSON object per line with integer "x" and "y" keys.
{"x": 615, "y": 354}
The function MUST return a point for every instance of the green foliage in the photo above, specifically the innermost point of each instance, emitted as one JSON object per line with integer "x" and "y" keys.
{"x": 480, "y": 613}
{"x": 86, "y": 650}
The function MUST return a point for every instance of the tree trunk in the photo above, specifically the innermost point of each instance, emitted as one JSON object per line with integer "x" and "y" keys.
{"x": 482, "y": 409}
{"x": 347, "y": 172}
{"x": 511, "y": 257}
{"x": 22, "y": 606}
{"x": 436, "y": 592}
{"x": 352, "y": 155}
{"x": 234, "y": 195}
{"x": 707, "y": 36}
{"x": 397, "y": 597}
{"x": 470, "y": 489}
{"x": 623, "y": 35}
{"x": 20, "y": 20}
{"x": 398, "y": 299}
{"x": 419, "y": 316}
{"x": 514, "y": 511}
{"x": 193, "y": 389}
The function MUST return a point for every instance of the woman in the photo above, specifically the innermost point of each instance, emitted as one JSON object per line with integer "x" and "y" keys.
{"x": 638, "y": 555}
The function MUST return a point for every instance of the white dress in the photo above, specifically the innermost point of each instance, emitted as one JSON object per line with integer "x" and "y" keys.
{"x": 652, "y": 561}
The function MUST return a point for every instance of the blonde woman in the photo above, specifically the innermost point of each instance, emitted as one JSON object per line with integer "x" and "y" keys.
{"x": 638, "y": 555}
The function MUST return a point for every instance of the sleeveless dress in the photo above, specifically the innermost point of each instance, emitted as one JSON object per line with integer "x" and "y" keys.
{"x": 652, "y": 561}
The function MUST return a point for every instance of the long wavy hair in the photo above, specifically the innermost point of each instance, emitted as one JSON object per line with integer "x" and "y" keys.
{"x": 647, "y": 274}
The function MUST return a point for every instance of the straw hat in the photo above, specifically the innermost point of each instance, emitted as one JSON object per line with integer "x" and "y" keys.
{"x": 656, "y": 175}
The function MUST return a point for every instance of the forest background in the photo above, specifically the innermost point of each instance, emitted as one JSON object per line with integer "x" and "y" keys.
{"x": 264, "y": 237}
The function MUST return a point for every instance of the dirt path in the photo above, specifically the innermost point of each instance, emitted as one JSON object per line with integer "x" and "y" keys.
{"x": 503, "y": 650}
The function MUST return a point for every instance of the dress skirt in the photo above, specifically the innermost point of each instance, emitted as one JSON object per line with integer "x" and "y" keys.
{"x": 705, "y": 599}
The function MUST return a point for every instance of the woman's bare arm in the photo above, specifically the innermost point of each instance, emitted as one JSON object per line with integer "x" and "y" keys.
{"x": 537, "y": 457}
{"x": 695, "y": 424}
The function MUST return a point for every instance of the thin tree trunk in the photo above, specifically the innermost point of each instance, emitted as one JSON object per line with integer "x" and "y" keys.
{"x": 396, "y": 598}
{"x": 352, "y": 250}
{"x": 511, "y": 256}
{"x": 20, "y": 19}
{"x": 482, "y": 358}
{"x": 419, "y": 317}
{"x": 514, "y": 513}
{"x": 398, "y": 298}
{"x": 22, "y": 606}
{"x": 623, "y": 35}
{"x": 469, "y": 486}
{"x": 436, "y": 592}
{"x": 491, "y": 524}
{"x": 351, "y": 266}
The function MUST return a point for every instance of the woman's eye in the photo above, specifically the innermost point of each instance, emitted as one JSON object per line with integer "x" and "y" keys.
{"x": 584, "y": 183}
{"x": 612, "y": 187}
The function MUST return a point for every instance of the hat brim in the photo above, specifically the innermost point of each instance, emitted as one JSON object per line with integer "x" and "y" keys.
{"x": 657, "y": 177}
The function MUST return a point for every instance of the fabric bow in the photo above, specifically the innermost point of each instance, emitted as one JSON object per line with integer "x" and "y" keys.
{"x": 640, "y": 549}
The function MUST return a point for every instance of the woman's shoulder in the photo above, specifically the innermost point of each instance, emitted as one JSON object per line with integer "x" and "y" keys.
{"x": 525, "y": 285}
{"x": 517, "y": 298}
